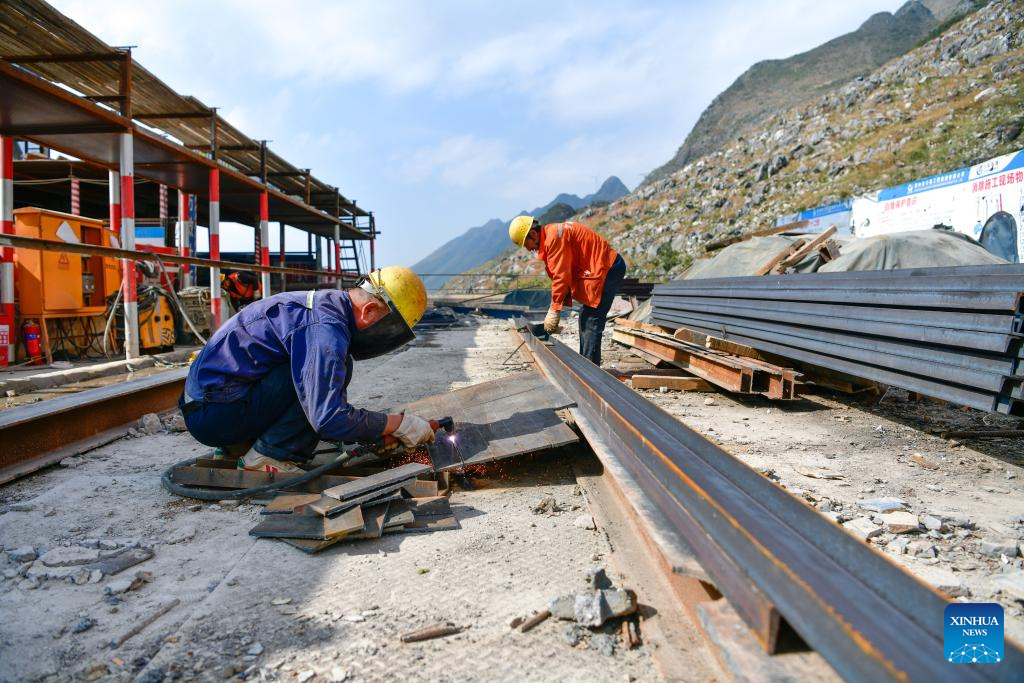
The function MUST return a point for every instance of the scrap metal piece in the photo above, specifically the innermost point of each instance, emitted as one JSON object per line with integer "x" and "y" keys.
{"x": 431, "y": 632}
{"x": 497, "y": 419}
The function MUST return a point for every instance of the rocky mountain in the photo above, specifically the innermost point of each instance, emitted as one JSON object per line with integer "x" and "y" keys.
{"x": 953, "y": 101}
{"x": 775, "y": 84}
{"x": 484, "y": 242}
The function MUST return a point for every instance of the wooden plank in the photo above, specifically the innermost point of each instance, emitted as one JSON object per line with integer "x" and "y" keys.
{"x": 670, "y": 383}
{"x": 780, "y": 257}
{"x": 364, "y": 485}
{"x": 497, "y": 419}
{"x": 309, "y": 525}
{"x": 806, "y": 249}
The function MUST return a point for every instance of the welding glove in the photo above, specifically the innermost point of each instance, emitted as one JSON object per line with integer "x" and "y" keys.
{"x": 552, "y": 322}
{"x": 414, "y": 431}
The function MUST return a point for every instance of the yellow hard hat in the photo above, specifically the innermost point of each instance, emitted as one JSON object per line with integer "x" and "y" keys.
{"x": 519, "y": 228}
{"x": 405, "y": 290}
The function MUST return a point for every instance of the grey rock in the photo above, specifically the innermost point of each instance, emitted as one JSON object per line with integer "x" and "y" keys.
{"x": 994, "y": 547}
{"x": 953, "y": 519}
{"x": 584, "y": 522}
{"x": 256, "y": 649}
{"x": 943, "y": 579}
{"x": 620, "y": 602}
{"x": 150, "y": 424}
{"x": 604, "y": 643}
{"x": 573, "y": 634}
{"x": 998, "y": 45}
{"x": 25, "y": 553}
{"x": 931, "y": 523}
{"x": 29, "y": 583}
{"x": 882, "y": 504}
{"x": 107, "y": 544}
{"x": 83, "y": 624}
{"x": 921, "y": 549}
{"x": 563, "y": 607}
{"x": 95, "y": 576}
{"x": 863, "y": 528}
{"x": 597, "y": 578}
{"x": 900, "y": 522}
{"x": 21, "y": 507}
{"x": 337, "y": 675}
{"x": 175, "y": 423}
{"x": 90, "y": 543}
{"x": 69, "y": 556}
{"x": 306, "y": 676}
{"x": 185, "y": 533}
{"x": 590, "y": 609}
{"x": 1011, "y": 584}
{"x": 546, "y": 506}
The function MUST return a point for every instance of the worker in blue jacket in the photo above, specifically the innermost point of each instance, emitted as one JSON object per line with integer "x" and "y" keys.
{"x": 271, "y": 382}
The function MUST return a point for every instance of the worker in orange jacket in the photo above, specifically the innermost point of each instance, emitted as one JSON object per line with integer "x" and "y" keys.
{"x": 241, "y": 286}
{"x": 582, "y": 266}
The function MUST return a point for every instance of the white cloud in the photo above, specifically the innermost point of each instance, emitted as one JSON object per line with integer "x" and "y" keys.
{"x": 460, "y": 161}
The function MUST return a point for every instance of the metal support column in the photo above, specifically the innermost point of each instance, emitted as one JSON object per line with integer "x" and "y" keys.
{"x": 264, "y": 242}
{"x": 280, "y": 255}
{"x": 7, "y": 328}
{"x": 114, "y": 192}
{"x": 131, "y": 304}
{"x": 215, "y": 302}
{"x": 76, "y": 196}
{"x": 164, "y": 218}
{"x": 319, "y": 265}
{"x": 373, "y": 241}
{"x": 184, "y": 237}
{"x": 337, "y": 254}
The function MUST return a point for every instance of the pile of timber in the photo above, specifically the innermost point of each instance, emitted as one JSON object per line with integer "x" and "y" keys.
{"x": 952, "y": 333}
{"x": 358, "y": 504}
{"x": 728, "y": 371}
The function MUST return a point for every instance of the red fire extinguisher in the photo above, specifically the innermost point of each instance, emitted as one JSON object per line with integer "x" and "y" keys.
{"x": 30, "y": 333}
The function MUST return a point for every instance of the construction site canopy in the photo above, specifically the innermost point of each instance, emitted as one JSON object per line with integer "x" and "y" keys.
{"x": 65, "y": 89}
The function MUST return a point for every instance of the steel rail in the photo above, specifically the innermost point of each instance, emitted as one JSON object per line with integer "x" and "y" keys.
{"x": 995, "y": 323}
{"x": 39, "y": 434}
{"x": 876, "y": 280}
{"x": 995, "y": 301}
{"x": 990, "y": 402}
{"x": 867, "y": 617}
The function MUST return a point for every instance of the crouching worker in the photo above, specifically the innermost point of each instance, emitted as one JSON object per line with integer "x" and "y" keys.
{"x": 271, "y": 382}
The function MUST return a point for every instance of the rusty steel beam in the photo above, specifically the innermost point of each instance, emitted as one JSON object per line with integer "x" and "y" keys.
{"x": 765, "y": 549}
{"x": 41, "y": 434}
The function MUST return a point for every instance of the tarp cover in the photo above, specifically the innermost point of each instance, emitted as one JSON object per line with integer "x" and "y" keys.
{"x": 745, "y": 258}
{"x": 914, "y": 249}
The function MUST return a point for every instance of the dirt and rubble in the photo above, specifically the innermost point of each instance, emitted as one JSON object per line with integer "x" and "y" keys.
{"x": 949, "y": 511}
{"x": 213, "y": 603}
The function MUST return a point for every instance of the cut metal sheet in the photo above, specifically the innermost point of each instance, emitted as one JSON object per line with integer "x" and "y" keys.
{"x": 496, "y": 420}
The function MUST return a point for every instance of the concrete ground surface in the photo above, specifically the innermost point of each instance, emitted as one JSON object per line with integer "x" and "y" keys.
{"x": 266, "y": 611}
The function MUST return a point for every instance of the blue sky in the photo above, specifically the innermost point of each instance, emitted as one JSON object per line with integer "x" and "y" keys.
{"x": 441, "y": 115}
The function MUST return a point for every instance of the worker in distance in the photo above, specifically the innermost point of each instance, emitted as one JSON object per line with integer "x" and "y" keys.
{"x": 582, "y": 266}
{"x": 271, "y": 382}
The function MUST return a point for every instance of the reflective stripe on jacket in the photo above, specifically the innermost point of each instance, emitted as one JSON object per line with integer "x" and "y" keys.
{"x": 309, "y": 331}
{"x": 577, "y": 260}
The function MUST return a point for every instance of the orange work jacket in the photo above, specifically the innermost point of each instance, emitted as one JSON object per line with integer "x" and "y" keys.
{"x": 577, "y": 260}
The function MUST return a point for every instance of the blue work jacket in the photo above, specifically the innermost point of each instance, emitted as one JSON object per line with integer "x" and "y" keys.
{"x": 310, "y": 331}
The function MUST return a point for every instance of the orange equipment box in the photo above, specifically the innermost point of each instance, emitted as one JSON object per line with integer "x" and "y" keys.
{"x": 58, "y": 283}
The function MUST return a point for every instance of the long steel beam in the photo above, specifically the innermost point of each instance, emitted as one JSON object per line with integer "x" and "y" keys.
{"x": 981, "y": 400}
{"x": 870, "y": 619}
{"x": 999, "y": 301}
{"x": 40, "y": 434}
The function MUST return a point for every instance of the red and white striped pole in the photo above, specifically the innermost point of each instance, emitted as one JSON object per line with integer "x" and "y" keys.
{"x": 337, "y": 254}
{"x": 7, "y": 253}
{"x": 264, "y": 243}
{"x": 131, "y": 304}
{"x": 162, "y": 207}
{"x": 184, "y": 238}
{"x": 215, "y": 310}
{"x": 76, "y": 197}
{"x": 114, "y": 188}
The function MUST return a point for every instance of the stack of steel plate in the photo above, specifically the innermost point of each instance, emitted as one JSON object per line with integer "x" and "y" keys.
{"x": 953, "y": 333}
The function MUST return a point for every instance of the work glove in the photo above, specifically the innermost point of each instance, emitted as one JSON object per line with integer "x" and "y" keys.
{"x": 414, "y": 431}
{"x": 552, "y": 321}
